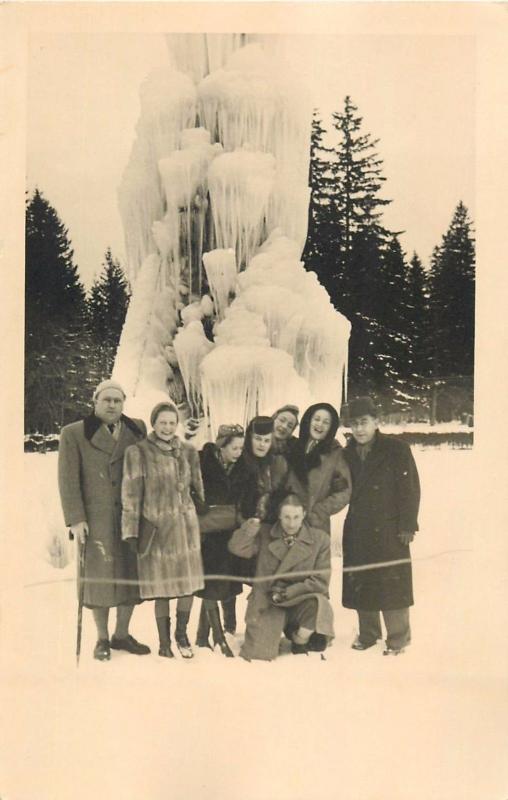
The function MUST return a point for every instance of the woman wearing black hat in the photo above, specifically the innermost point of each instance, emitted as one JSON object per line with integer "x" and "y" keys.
{"x": 224, "y": 477}
{"x": 160, "y": 523}
{"x": 318, "y": 470}
{"x": 268, "y": 471}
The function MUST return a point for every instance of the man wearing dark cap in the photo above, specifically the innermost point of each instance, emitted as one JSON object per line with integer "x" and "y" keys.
{"x": 90, "y": 463}
{"x": 380, "y": 524}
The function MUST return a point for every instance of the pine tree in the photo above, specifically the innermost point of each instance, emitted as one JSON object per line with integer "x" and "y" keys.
{"x": 107, "y": 307}
{"x": 419, "y": 326}
{"x": 452, "y": 295}
{"x": 55, "y": 351}
{"x": 321, "y": 253}
{"x": 358, "y": 172}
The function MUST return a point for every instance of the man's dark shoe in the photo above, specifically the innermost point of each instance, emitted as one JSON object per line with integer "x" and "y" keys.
{"x": 130, "y": 645}
{"x": 299, "y": 649}
{"x": 359, "y": 645}
{"x": 101, "y": 650}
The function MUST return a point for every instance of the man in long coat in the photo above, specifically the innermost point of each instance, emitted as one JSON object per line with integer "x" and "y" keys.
{"x": 294, "y": 561}
{"x": 90, "y": 463}
{"x": 380, "y": 524}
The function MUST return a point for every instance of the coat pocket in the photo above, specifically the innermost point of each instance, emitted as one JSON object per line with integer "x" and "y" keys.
{"x": 147, "y": 531}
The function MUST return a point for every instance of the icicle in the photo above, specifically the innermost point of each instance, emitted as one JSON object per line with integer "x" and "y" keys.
{"x": 240, "y": 184}
{"x": 239, "y": 382}
{"x": 220, "y": 266}
{"x": 141, "y": 364}
{"x": 191, "y": 346}
{"x": 168, "y": 104}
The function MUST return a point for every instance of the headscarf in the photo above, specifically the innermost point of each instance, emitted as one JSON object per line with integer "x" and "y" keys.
{"x": 303, "y": 462}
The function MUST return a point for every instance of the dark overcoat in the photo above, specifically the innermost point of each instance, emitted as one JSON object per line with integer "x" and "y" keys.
{"x": 90, "y": 466}
{"x": 224, "y": 489}
{"x": 276, "y": 561}
{"x": 384, "y": 503}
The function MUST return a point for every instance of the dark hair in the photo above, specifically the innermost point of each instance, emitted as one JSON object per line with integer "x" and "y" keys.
{"x": 302, "y": 462}
{"x": 291, "y": 499}
{"x": 362, "y": 407}
{"x": 265, "y": 427}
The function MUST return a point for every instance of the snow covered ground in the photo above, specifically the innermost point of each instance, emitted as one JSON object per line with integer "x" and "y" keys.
{"x": 431, "y": 724}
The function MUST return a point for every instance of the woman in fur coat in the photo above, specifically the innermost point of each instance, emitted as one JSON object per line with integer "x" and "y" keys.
{"x": 159, "y": 521}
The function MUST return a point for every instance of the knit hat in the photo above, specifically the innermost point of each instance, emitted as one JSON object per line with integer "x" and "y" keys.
{"x": 164, "y": 406}
{"x": 261, "y": 425}
{"x": 290, "y": 409}
{"x": 108, "y": 384}
{"x": 228, "y": 432}
{"x": 362, "y": 407}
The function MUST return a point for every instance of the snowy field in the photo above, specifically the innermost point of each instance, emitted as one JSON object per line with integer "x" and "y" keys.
{"x": 431, "y": 724}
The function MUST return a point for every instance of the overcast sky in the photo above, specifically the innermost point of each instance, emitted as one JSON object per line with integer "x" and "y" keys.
{"x": 417, "y": 94}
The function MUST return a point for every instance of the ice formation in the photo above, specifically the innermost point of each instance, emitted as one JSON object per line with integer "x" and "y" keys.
{"x": 214, "y": 202}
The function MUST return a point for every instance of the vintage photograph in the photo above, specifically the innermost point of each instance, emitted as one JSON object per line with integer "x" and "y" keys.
{"x": 251, "y": 565}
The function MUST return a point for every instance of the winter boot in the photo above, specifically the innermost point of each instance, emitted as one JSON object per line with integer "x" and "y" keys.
{"x": 164, "y": 628}
{"x": 181, "y": 638}
{"x": 203, "y": 630}
{"x": 229, "y": 614}
{"x": 217, "y": 632}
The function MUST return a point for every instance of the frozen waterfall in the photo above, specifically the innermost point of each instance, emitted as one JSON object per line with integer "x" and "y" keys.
{"x": 224, "y": 318}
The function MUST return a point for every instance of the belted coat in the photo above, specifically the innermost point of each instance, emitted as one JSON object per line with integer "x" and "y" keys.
{"x": 310, "y": 553}
{"x": 384, "y": 503}
{"x": 90, "y": 466}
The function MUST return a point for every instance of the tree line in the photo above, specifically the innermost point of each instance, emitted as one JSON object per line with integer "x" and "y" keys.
{"x": 71, "y": 335}
{"x": 412, "y": 339}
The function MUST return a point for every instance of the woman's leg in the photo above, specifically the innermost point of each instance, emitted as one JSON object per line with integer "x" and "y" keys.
{"x": 102, "y": 648}
{"x": 229, "y": 614}
{"x": 203, "y": 631}
{"x": 183, "y": 610}
{"x": 161, "y": 607}
{"x": 212, "y": 610}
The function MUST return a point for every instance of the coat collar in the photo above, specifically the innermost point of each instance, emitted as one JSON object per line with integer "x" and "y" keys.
{"x": 374, "y": 458}
{"x": 97, "y": 435}
{"x": 290, "y": 556}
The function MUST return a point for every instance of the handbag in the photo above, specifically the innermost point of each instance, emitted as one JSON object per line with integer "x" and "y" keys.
{"x": 218, "y": 519}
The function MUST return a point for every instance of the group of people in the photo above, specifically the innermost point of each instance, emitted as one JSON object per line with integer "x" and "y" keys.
{"x": 157, "y": 520}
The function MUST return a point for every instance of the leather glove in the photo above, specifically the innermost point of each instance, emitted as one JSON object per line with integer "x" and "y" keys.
{"x": 406, "y": 537}
{"x": 79, "y": 531}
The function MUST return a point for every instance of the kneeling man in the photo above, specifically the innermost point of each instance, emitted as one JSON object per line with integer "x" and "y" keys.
{"x": 295, "y": 561}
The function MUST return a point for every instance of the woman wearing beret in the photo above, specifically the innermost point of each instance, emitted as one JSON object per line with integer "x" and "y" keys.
{"x": 159, "y": 520}
{"x": 224, "y": 477}
{"x": 268, "y": 471}
{"x": 318, "y": 470}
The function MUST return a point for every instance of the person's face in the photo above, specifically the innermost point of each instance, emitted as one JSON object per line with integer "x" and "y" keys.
{"x": 320, "y": 424}
{"x": 165, "y": 425}
{"x": 364, "y": 428}
{"x": 291, "y": 518}
{"x": 108, "y": 406}
{"x": 284, "y": 425}
{"x": 232, "y": 451}
{"x": 261, "y": 444}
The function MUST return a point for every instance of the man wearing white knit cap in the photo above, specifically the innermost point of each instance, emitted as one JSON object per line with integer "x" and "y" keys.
{"x": 90, "y": 464}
